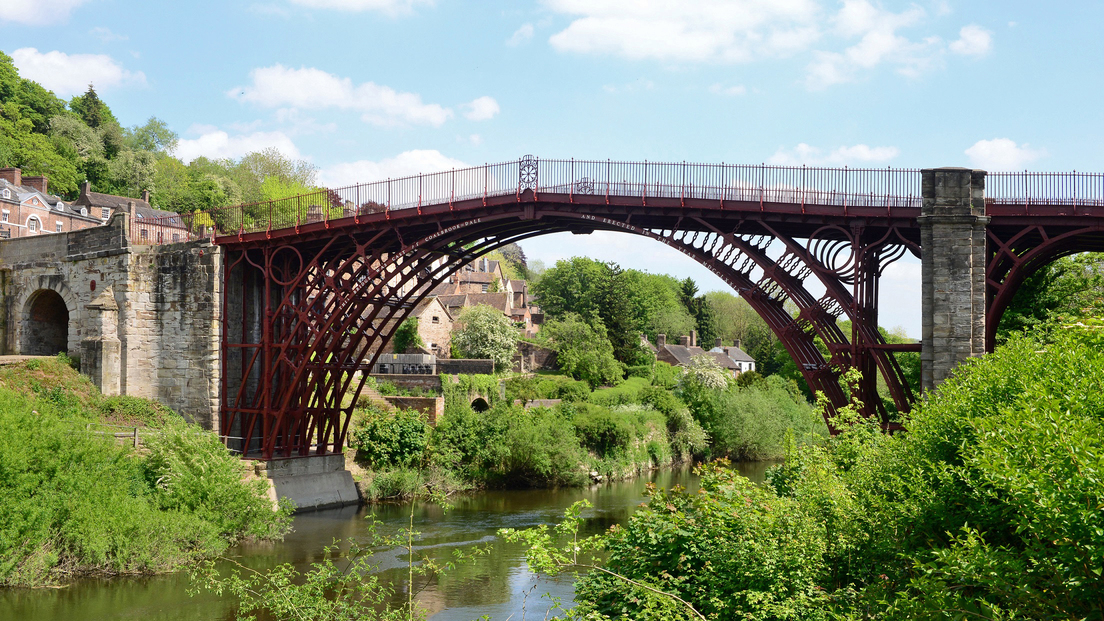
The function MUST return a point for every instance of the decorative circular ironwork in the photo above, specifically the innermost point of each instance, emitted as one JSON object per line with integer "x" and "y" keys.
{"x": 584, "y": 186}
{"x": 527, "y": 172}
{"x": 832, "y": 247}
{"x": 287, "y": 265}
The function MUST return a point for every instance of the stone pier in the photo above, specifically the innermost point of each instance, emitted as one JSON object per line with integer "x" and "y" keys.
{"x": 952, "y": 235}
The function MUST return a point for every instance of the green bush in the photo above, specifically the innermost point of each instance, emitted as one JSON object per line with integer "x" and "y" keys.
{"x": 387, "y": 439}
{"x": 987, "y": 507}
{"x": 639, "y": 370}
{"x": 75, "y": 502}
{"x": 665, "y": 375}
{"x": 602, "y": 431}
{"x": 625, "y": 393}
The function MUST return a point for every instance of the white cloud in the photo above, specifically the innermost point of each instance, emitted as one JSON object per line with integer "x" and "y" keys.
{"x": 475, "y": 139}
{"x": 37, "y": 12}
{"x": 405, "y": 164}
{"x": 389, "y": 7}
{"x": 732, "y": 91}
{"x": 972, "y": 41}
{"x": 1002, "y": 154}
{"x": 217, "y": 144}
{"x": 841, "y": 156}
{"x": 70, "y": 74}
{"x": 879, "y": 42}
{"x": 521, "y": 35}
{"x": 481, "y": 109}
{"x": 105, "y": 35}
{"x": 690, "y": 30}
{"x": 308, "y": 88}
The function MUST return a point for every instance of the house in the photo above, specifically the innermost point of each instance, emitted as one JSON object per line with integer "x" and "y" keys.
{"x": 434, "y": 326}
{"x": 743, "y": 361}
{"x": 150, "y": 225}
{"x": 27, "y": 208}
{"x": 682, "y": 355}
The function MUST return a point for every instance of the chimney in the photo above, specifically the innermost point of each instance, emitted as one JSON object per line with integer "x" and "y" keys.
{"x": 661, "y": 340}
{"x": 86, "y": 187}
{"x": 38, "y": 182}
{"x": 693, "y": 338}
{"x": 145, "y": 196}
{"x": 738, "y": 344}
{"x": 717, "y": 342}
{"x": 13, "y": 176}
{"x": 684, "y": 341}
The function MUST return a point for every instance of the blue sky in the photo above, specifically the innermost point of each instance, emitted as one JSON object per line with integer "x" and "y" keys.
{"x": 367, "y": 89}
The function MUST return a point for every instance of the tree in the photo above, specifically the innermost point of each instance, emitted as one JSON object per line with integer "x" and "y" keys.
{"x": 583, "y": 350}
{"x": 155, "y": 137}
{"x": 1063, "y": 287}
{"x": 485, "y": 332}
{"x": 92, "y": 110}
{"x": 407, "y": 337}
{"x": 704, "y": 320}
{"x": 575, "y": 285}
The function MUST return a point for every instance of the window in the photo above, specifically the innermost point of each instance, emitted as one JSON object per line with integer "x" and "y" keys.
{"x": 59, "y": 226}
{"x": 485, "y": 287}
{"x": 176, "y": 237}
{"x": 105, "y": 212}
{"x": 84, "y": 211}
{"x": 4, "y": 216}
{"x": 436, "y": 319}
{"x": 139, "y": 215}
{"x": 33, "y": 224}
{"x": 60, "y": 206}
{"x": 7, "y": 193}
{"x": 143, "y": 234}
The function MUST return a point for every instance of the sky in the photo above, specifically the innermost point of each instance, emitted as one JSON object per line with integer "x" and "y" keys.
{"x": 370, "y": 89}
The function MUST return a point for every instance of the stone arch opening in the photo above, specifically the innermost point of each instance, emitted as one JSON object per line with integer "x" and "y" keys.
{"x": 480, "y": 405}
{"x": 45, "y": 329}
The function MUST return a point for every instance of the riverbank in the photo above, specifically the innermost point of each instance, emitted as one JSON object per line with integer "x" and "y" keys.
{"x": 572, "y": 436}
{"x": 75, "y": 502}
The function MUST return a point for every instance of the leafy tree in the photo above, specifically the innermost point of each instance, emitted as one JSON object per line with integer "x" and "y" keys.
{"x": 484, "y": 332}
{"x": 573, "y": 286}
{"x": 406, "y": 336}
{"x": 154, "y": 137}
{"x": 1063, "y": 287}
{"x": 583, "y": 350}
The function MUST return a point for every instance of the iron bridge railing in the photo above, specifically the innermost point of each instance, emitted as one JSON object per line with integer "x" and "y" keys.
{"x": 762, "y": 184}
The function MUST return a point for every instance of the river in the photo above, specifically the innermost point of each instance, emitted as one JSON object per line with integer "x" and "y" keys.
{"x": 497, "y": 584}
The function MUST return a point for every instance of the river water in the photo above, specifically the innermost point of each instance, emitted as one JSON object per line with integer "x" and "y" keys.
{"x": 497, "y": 584}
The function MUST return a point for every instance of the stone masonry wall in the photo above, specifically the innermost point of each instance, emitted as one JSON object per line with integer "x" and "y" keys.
{"x": 168, "y": 308}
{"x": 952, "y": 234}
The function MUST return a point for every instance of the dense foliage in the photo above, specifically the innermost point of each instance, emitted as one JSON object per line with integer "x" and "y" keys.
{"x": 75, "y": 502}
{"x": 406, "y": 336}
{"x": 583, "y": 351}
{"x": 484, "y": 332}
{"x": 1064, "y": 288}
{"x": 81, "y": 139}
{"x": 988, "y": 507}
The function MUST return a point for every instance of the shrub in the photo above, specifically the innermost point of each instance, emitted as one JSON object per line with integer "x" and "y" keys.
{"x": 665, "y": 375}
{"x": 406, "y": 336}
{"x": 75, "y": 502}
{"x": 602, "y": 431}
{"x": 584, "y": 351}
{"x": 484, "y": 332}
{"x": 385, "y": 439}
{"x": 639, "y": 370}
{"x": 627, "y": 392}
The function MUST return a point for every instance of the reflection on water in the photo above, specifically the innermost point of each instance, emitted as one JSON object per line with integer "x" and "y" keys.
{"x": 497, "y": 584}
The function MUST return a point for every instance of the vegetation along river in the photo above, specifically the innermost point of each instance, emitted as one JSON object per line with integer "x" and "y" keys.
{"x": 498, "y": 584}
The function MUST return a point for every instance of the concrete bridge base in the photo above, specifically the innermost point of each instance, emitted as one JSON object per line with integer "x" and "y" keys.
{"x": 313, "y": 482}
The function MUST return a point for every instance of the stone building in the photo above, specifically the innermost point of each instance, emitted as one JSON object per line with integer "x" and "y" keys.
{"x": 743, "y": 360}
{"x": 28, "y": 209}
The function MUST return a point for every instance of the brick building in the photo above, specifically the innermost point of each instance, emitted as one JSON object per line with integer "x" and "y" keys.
{"x": 149, "y": 223}
{"x": 27, "y": 208}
